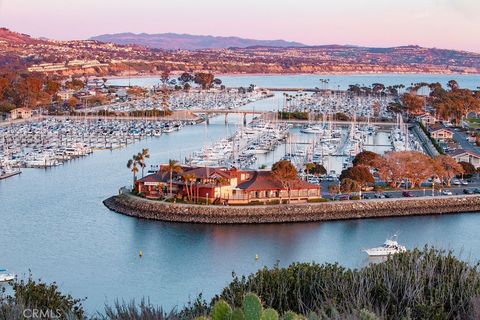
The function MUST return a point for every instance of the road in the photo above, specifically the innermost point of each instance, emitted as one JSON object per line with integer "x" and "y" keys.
{"x": 461, "y": 138}
{"x": 473, "y": 183}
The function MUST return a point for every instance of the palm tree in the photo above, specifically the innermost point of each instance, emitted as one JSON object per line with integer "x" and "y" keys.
{"x": 132, "y": 164}
{"x": 189, "y": 178}
{"x": 171, "y": 167}
{"x": 141, "y": 158}
{"x": 219, "y": 181}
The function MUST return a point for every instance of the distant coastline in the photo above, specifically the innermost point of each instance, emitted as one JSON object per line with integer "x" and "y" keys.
{"x": 239, "y": 74}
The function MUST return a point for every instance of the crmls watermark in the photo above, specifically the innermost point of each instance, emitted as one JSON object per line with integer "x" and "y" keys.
{"x": 42, "y": 314}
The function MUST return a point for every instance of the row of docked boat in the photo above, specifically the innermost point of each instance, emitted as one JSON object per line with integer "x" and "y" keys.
{"x": 52, "y": 141}
{"x": 351, "y": 105}
{"x": 193, "y": 99}
{"x": 242, "y": 148}
{"x": 401, "y": 138}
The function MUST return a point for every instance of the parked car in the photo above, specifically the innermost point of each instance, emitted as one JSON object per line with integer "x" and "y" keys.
{"x": 468, "y": 191}
{"x": 379, "y": 195}
{"x": 408, "y": 194}
{"x": 342, "y": 197}
{"x": 476, "y": 190}
{"x": 456, "y": 182}
{"x": 447, "y": 193}
{"x": 464, "y": 182}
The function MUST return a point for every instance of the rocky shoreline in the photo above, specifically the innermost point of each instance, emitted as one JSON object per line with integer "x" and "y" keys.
{"x": 308, "y": 212}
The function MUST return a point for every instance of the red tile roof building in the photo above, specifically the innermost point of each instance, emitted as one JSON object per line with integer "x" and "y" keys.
{"x": 226, "y": 186}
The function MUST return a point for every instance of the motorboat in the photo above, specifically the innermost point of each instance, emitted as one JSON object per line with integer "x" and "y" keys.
{"x": 390, "y": 247}
{"x": 5, "y": 277}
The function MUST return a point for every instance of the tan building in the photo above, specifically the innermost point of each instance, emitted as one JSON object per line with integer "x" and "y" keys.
{"x": 441, "y": 134}
{"x": 65, "y": 94}
{"x": 427, "y": 119}
{"x": 20, "y": 113}
{"x": 467, "y": 156}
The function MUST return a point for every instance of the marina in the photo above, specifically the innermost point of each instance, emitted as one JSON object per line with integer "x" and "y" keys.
{"x": 182, "y": 260}
{"x": 51, "y": 142}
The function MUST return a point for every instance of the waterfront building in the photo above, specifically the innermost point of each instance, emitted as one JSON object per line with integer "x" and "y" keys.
{"x": 461, "y": 155}
{"x": 226, "y": 186}
{"x": 20, "y": 113}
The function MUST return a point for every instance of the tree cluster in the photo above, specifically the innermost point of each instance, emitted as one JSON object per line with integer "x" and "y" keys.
{"x": 414, "y": 168}
{"x": 26, "y": 90}
{"x": 452, "y": 103}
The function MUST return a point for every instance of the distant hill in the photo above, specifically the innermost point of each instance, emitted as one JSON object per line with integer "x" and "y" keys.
{"x": 17, "y": 38}
{"x": 129, "y": 55}
{"x": 189, "y": 42}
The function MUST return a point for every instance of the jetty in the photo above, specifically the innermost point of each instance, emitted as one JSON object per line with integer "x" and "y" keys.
{"x": 134, "y": 206}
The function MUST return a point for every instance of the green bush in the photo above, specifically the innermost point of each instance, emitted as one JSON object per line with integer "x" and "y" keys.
{"x": 420, "y": 284}
{"x": 47, "y": 298}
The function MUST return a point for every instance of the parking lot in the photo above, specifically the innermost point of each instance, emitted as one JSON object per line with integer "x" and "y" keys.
{"x": 469, "y": 186}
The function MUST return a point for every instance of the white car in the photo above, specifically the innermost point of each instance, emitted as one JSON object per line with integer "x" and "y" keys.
{"x": 464, "y": 183}
{"x": 456, "y": 182}
{"x": 447, "y": 193}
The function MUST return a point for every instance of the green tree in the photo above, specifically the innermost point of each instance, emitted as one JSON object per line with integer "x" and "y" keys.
{"x": 204, "y": 79}
{"x": 141, "y": 156}
{"x": 173, "y": 166}
{"x": 366, "y": 158}
{"x": 349, "y": 185}
{"x": 132, "y": 164}
{"x": 360, "y": 174}
{"x": 286, "y": 173}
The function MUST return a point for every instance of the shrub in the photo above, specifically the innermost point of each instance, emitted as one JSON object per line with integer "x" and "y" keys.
{"x": 420, "y": 284}
{"x": 47, "y": 298}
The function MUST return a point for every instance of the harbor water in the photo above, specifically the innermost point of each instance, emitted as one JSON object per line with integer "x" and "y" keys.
{"x": 53, "y": 223}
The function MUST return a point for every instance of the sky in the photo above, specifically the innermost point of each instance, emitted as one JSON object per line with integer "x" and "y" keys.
{"x": 451, "y": 24}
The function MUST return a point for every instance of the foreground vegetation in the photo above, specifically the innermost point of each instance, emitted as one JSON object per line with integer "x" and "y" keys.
{"x": 419, "y": 284}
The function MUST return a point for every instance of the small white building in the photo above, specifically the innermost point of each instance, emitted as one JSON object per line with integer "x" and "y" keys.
{"x": 427, "y": 119}
{"x": 20, "y": 113}
{"x": 441, "y": 134}
{"x": 467, "y": 156}
{"x": 65, "y": 94}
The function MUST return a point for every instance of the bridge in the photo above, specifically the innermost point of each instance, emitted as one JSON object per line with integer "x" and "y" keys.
{"x": 192, "y": 115}
{"x": 307, "y": 90}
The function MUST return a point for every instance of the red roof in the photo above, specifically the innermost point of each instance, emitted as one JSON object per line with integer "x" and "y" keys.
{"x": 265, "y": 180}
{"x": 206, "y": 172}
{"x": 156, "y": 177}
{"x": 463, "y": 151}
{"x": 438, "y": 127}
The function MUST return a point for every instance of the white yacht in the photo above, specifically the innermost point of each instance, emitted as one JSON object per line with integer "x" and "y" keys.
{"x": 313, "y": 129}
{"x": 389, "y": 247}
{"x": 5, "y": 277}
